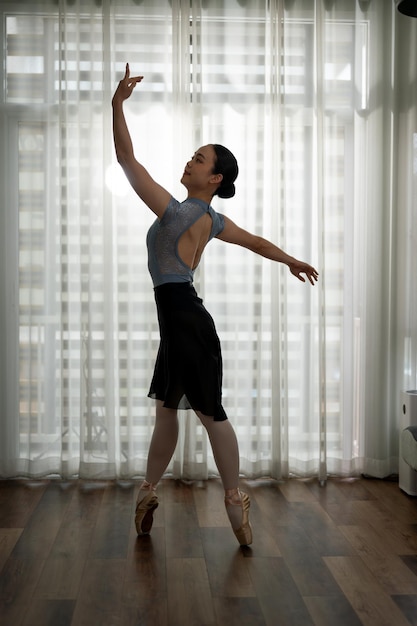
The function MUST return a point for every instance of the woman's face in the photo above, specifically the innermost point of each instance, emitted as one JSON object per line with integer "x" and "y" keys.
{"x": 198, "y": 172}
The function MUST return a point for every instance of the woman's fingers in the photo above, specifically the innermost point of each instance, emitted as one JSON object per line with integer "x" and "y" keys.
{"x": 131, "y": 81}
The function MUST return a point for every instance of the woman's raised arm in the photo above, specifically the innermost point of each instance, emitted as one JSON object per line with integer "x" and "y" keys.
{"x": 152, "y": 194}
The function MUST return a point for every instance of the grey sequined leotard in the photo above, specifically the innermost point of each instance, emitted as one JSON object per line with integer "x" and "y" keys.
{"x": 164, "y": 262}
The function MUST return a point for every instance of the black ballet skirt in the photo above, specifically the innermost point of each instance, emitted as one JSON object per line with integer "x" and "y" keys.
{"x": 188, "y": 369}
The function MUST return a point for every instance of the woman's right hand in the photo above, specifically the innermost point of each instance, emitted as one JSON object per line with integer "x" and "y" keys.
{"x": 126, "y": 86}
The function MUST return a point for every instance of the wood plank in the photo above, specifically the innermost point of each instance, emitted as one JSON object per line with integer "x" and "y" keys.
{"x": 346, "y": 512}
{"x": 296, "y": 490}
{"x": 354, "y": 488}
{"x": 49, "y": 613}
{"x": 331, "y": 611}
{"x": 112, "y": 531}
{"x": 264, "y": 522}
{"x": 401, "y": 538}
{"x": 60, "y": 578}
{"x": 328, "y": 493}
{"x": 402, "y": 506}
{"x": 278, "y": 595}
{"x": 408, "y": 606}
{"x": 209, "y": 504}
{"x": 101, "y": 590}
{"x": 182, "y": 532}
{"x": 145, "y": 572}
{"x": 238, "y": 612}
{"x": 189, "y": 597}
{"x": 18, "y": 581}
{"x": 75, "y": 533}
{"x": 18, "y": 500}
{"x": 373, "y": 606}
{"x": 226, "y": 564}
{"x": 323, "y": 533}
{"x": 305, "y": 563}
{"x": 144, "y": 594}
{"x": 411, "y": 561}
{"x": 152, "y": 611}
{"x": 8, "y": 539}
{"x": 39, "y": 534}
{"x": 389, "y": 570}
{"x": 273, "y": 506}
{"x": 62, "y": 574}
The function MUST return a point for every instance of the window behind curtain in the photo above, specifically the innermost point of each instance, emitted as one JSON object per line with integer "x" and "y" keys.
{"x": 58, "y": 101}
{"x": 57, "y": 70}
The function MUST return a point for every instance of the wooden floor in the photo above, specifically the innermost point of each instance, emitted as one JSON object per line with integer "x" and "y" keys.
{"x": 339, "y": 555}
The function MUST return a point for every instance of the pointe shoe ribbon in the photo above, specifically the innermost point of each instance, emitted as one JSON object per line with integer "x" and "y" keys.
{"x": 244, "y": 532}
{"x": 145, "y": 508}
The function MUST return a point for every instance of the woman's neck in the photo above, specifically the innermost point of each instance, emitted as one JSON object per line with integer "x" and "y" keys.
{"x": 205, "y": 197}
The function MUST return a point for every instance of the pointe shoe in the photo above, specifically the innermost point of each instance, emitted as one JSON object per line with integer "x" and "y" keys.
{"x": 145, "y": 509}
{"x": 236, "y": 497}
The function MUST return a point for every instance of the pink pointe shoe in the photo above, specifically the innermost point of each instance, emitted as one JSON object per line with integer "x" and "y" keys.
{"x": 145, "y": 508}
{"x": 235, "y": 497}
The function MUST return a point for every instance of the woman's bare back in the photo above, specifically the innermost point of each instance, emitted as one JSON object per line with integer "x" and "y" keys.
{"x": 193, "y": 241}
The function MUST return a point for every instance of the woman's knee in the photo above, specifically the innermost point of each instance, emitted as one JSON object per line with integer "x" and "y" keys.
{"x": 206, "y": 420}
{"x": 164, "y": 411}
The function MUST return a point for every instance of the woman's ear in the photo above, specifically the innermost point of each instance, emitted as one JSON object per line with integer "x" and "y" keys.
{"x": 216, "y": 178}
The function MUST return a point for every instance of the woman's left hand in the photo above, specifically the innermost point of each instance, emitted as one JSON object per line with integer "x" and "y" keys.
{"x": 298, "y": 267}
{"x": 126, "y": 85}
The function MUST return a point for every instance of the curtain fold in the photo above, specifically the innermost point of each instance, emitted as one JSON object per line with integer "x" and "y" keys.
{"x": 317, "y": 101}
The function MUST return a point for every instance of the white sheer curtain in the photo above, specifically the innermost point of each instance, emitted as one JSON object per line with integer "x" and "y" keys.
{"x": 317, "y": 101}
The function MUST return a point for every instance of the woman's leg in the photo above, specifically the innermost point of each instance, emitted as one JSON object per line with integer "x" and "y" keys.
{"x": 225, "y": 449}
{"x": 161, "y": 449}
{"x": 226, "y": 455}
{"x": 163, "y": 443}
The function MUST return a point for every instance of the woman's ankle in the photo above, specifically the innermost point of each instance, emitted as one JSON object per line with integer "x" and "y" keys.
{"x": 232, "y": 496}
{"x": 147, "y": 486}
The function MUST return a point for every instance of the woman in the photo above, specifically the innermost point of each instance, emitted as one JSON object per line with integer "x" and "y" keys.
{"x": 188, "y": 370}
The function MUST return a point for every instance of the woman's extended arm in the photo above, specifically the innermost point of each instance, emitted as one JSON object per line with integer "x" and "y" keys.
{"x": 155, "y": 196}
{"x": 234, "y": 234}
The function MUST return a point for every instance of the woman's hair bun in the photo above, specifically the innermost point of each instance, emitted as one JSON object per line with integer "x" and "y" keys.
{"x": 227, "y": 166}
{"x": 226, "y": 191}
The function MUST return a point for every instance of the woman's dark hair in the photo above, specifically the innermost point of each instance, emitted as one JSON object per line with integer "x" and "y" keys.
{"x": 226, "y": 165}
